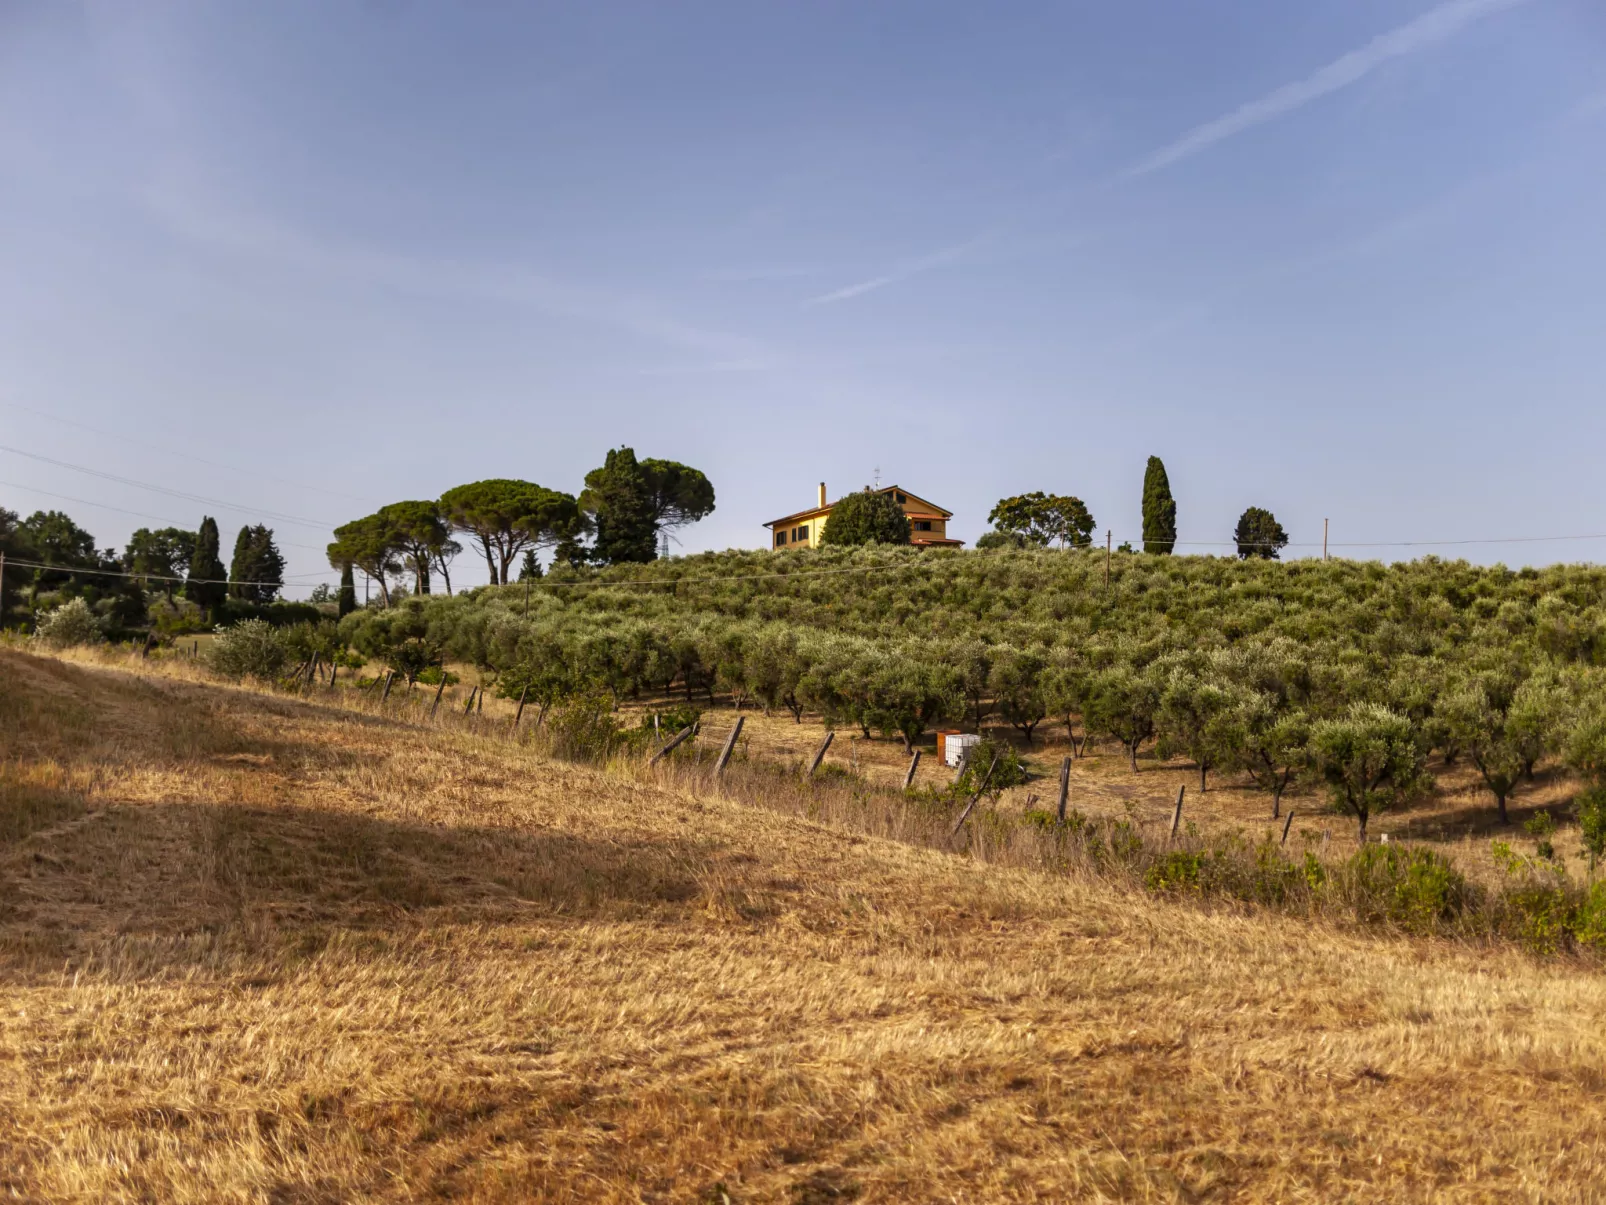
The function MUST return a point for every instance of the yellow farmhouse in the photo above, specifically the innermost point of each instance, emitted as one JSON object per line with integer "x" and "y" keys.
{"x": 928, "y": 522}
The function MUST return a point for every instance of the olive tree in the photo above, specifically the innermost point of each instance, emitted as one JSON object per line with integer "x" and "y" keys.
{"x": 1369, "y": 759}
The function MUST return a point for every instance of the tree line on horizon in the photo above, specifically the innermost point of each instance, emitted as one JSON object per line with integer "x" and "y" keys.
{"x": 1040, "y": 520}
{"x": 51, "y": 558}
{"x": 621, "y": 516}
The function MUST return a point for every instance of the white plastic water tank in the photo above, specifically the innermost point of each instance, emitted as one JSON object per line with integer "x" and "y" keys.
{"x": 957, "y": 747}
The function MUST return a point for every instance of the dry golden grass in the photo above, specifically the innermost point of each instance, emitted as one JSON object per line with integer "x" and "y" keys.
{"x": 255, "y": 948}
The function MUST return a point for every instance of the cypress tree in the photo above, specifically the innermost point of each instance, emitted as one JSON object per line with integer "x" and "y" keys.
{"x": 347, "y": 602}
{"x": 619, "y": 499}
{"x": 205, "y": 587}
{"x": 1159, "y": 510}
{"x": 240, "y": 565}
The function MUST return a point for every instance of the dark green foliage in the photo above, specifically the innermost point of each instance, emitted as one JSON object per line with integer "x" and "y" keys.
{"x": 1258, "y": 534}
{"x": 416, "y": 533}
{"x": 867, "y": 517}
{"x": 529, "y": 567}
{"x": 1041, "y": 519}
{"x": 206, "y": 586}
{"x": 623, "y": 509}
{"x": 1002, "y": 539}
{"x": 346, "y": 603}
{"x": 256, "y": 573}
{"x": 164, "y": 555}
{"x": 679, "y": 493}
{"x": 506, "y": 516}
{"x": 1159, "y": 510}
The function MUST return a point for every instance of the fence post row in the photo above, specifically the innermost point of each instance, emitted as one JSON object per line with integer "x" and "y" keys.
{"x": 390, "y": 678}
{"x": 438, "y": 690}
{"x": 469, "y": 706}
{"x": 914, "y": 764}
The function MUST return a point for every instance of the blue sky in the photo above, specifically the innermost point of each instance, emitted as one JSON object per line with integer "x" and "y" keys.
{"x": 1337, "y": 259}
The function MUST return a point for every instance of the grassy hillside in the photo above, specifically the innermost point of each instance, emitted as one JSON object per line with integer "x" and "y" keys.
{"x": 262, "y": 948}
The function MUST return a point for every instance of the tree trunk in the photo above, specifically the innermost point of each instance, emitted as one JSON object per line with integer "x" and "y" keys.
{"x": 1132, "y": 755}
{"x": 1362, "y": 817}
{"x": 1501, "y": 800}
{"x": 1203, "y": 770}
{"x": 446, "y": 576}
{"x": 1277, "y": 800}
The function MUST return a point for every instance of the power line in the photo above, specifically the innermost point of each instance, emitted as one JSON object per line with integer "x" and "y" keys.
{"x": 138, "y": 514}
{"x": 73, "y": 570}
{"x": 56, "y": 418}
{"x": 320, "y": 524}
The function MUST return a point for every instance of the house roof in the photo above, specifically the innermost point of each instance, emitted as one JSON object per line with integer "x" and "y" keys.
{"x": 932, "y": 511}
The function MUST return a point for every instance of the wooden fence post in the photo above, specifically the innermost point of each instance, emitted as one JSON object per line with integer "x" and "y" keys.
{"x": 333, "y": 670}
{"x": 1176, "y": 815}
{"x": 390, "y": 677}
{"x": 909, "y": 776}
{"x": 469, "y": 706}
{"x": 479, "y": 708}
{"x": 980, "y": 790}
{"x": 1286, "y": 823}
{"x": 819, "y": 755}
{"x": 519, "y": 714}
{"x": 1065, "y": 788}
{"x": 144, "y": 653}
{"x": 730, "y": 747}
{"x": 438, "y": 690}
{"x": 667, "y": 749}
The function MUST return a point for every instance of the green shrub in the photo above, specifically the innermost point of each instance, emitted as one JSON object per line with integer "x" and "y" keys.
{"x": 583, "y": 727}
{"x": 1175, "y": 872}
{"x": 1010, "y": 771}
{"x": 1539, "y": 915}
{"x": 672, "y": 721}
{"x": 70, "y": 624}
{"x": 252, "y": 648}
{"x": 1589, "y": 920}
{"x": 1413, "y": 887}
{"x": 427, "y": 675}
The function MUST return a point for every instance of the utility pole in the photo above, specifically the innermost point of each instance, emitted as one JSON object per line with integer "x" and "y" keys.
{"x": 2, "y": 589}
{"x": 1324, "y": 539}
{"x": 1106, "y": 556}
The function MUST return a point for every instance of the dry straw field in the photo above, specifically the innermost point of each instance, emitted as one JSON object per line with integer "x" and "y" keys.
{"x": 260, "y": 948}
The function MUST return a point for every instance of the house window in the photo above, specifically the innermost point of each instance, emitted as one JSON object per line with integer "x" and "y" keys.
{"x": 780, "y": 538}
{"x": 800, "y": 535}
{"x": 922, "y": 524}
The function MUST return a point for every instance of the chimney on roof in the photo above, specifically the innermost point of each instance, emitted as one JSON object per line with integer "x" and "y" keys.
{"x": 822, "y": 493}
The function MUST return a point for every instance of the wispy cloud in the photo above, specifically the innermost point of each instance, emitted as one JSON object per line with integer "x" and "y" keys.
{"x": 1432, "y": 26}
{"x": 941, "y": 258}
